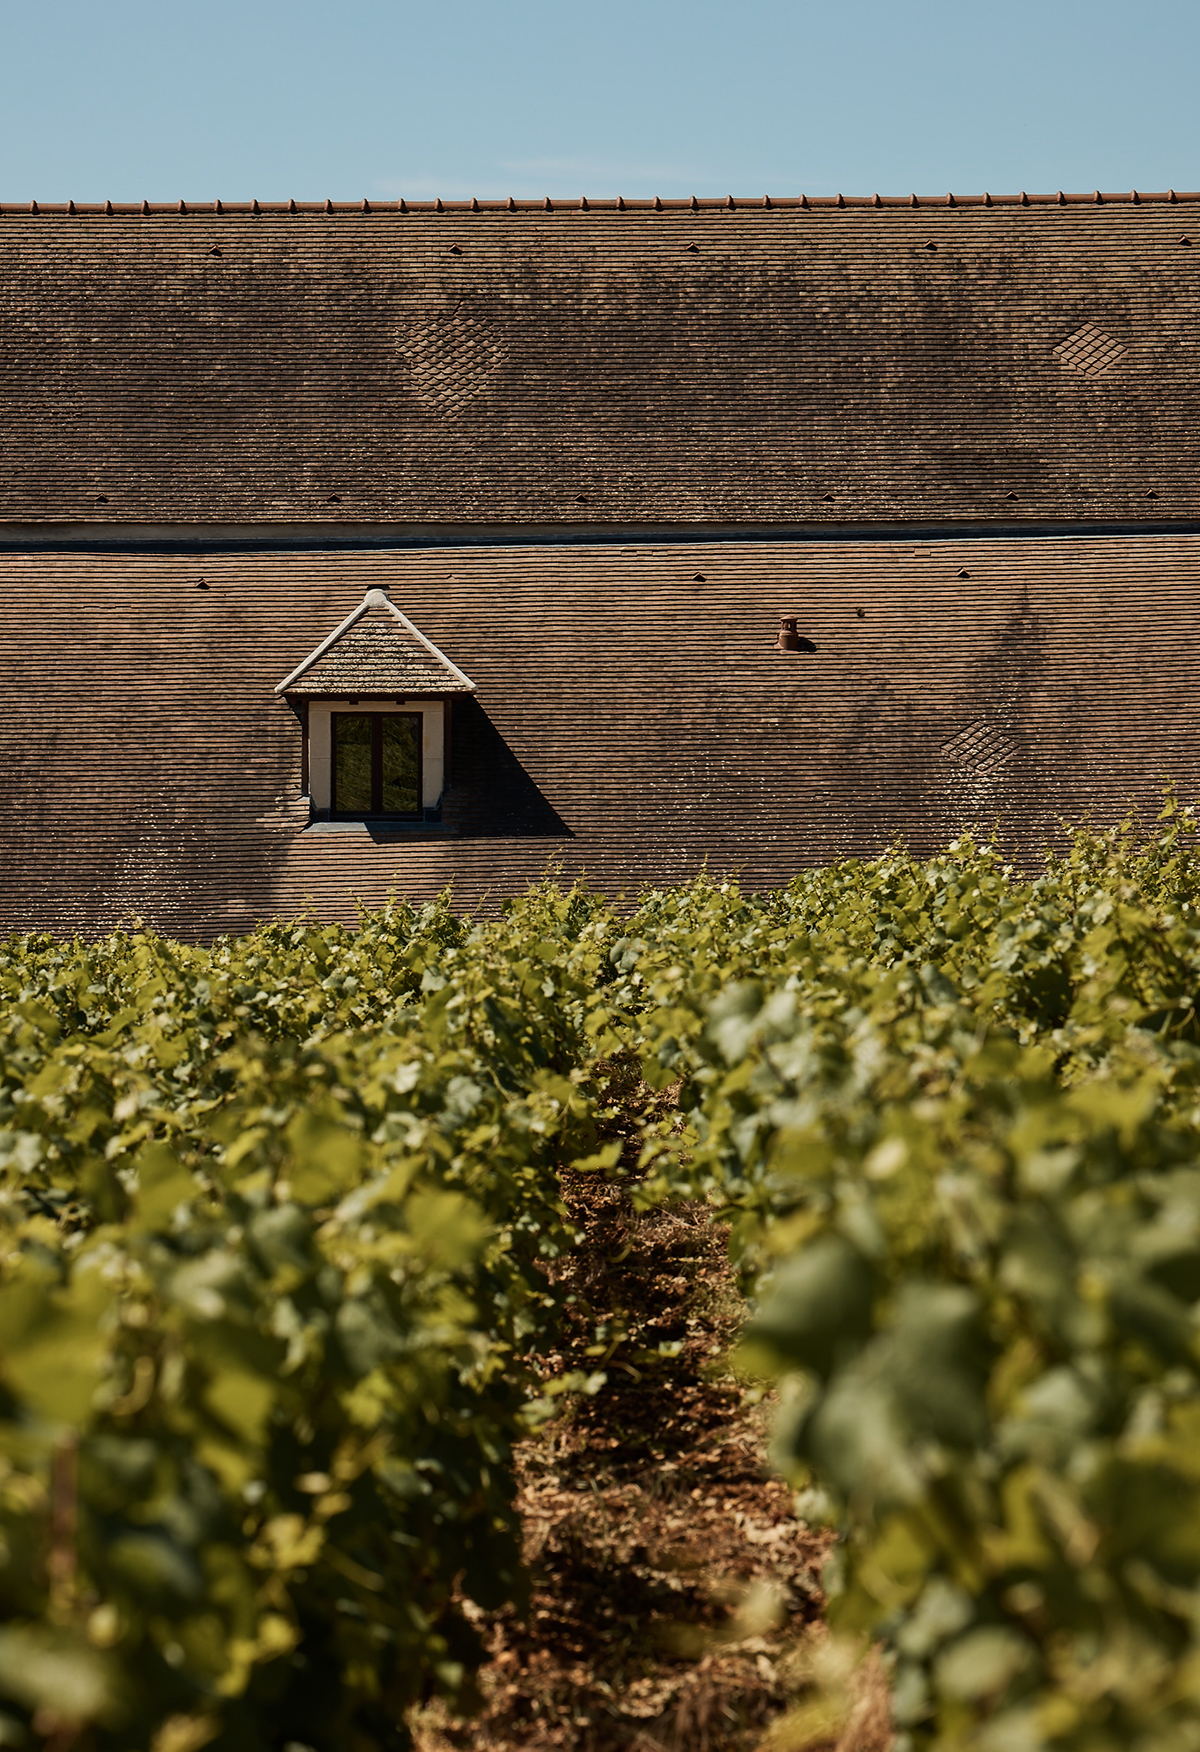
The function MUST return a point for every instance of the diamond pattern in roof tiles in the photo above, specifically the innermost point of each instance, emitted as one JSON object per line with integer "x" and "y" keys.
{"x": 451, "y": 359}
{"x": 1090, "y": 350}
{"x": 981, "y": 748}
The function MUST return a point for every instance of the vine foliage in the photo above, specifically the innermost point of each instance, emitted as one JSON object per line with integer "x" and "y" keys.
{"x": 275, "y": 1215}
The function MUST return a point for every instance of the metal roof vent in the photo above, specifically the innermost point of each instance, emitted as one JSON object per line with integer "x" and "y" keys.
{"x": 1090, "y": 350}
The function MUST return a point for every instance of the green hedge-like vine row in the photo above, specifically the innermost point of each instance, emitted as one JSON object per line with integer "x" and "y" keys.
{"x": 953, "y": 1120}
{"x": 274, "y": 1218}
{"x": 271, "y": 1217}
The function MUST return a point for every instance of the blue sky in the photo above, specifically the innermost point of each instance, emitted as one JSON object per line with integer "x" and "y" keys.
{"x": 251, "y": 98}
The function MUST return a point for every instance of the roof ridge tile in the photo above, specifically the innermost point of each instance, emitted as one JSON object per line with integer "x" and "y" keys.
{"x": 656, "y": 204}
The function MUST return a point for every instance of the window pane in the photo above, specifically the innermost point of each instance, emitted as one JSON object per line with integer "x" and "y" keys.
{"x": 351, "y": 763}
{"x": 401, "y": 765}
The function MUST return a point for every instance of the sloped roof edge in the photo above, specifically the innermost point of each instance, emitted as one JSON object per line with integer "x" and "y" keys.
{"x": 374, "y": 599}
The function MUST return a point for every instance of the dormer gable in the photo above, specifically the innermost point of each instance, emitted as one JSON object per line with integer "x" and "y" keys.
{"x": 376, "y": 651}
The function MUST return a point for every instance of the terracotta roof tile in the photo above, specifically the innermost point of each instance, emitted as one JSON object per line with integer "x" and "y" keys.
{"x": 651, "y": 729}
{"x": 241, "y": 367}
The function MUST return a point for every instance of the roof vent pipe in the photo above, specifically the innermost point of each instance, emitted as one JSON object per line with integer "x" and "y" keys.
{"x": 789, "y": 636}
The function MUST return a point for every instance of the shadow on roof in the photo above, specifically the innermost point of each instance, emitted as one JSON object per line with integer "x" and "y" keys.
{"x": 491, "y": 794}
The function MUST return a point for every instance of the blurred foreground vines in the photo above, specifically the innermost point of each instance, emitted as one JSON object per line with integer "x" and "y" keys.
{"x": 274, "y": 1217}
{"x": 269, "y": 1234}
{"x": 952, "y": 1116}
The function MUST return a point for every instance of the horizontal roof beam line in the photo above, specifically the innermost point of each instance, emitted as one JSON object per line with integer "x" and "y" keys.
{"x": 584, "y": 204}
{"x": 328, "y": 537}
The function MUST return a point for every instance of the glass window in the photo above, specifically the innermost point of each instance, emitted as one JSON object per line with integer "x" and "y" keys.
{"x": 352, "y": 762}
{"x": 376, "y": 763}
{"x": 401, "y": 765}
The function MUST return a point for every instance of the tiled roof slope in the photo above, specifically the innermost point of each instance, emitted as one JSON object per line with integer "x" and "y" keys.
{"x": 631, "y": 720}
{"x": 787, "y": 365}
{"x": 376, "y": 650}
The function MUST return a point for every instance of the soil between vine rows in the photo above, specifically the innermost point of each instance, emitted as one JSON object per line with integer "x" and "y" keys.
{"x": 670, "y": 1577}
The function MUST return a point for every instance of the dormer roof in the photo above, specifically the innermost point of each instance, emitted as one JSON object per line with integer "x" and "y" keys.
{"x": 376, "y": 650}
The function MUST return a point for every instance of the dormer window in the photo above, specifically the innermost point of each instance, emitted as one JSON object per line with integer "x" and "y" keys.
{"x": 376, "y": 698}
{"x": 376, "y": 763}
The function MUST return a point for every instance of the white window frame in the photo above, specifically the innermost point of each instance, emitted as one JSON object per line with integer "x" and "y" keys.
{"x": 320, "y": 745}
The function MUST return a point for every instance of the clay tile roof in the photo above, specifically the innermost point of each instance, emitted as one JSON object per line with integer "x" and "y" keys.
{"x": 376, "y": 650}
{"x": 507, "y": 363}
{"x": 1057, "y": 679}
